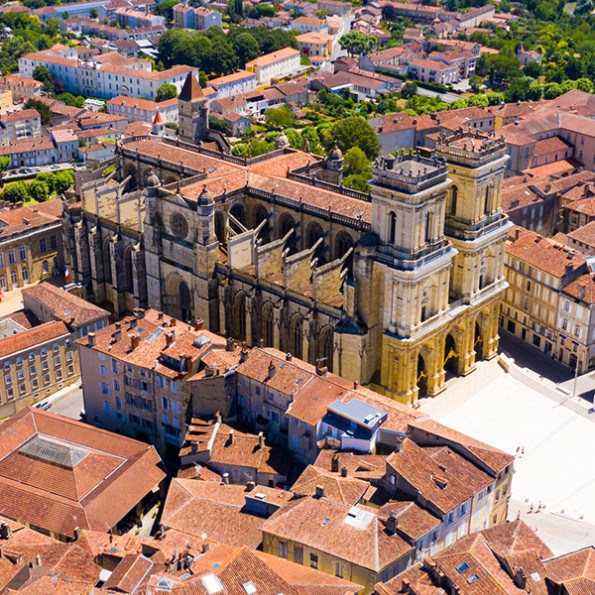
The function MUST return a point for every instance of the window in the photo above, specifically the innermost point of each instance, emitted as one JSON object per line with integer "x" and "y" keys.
{"x": 25, "y": 274}
{"x": 102, "y": 370}
{"x": 46, "y": 269}
{"x": 8, "y": 379}
{"x": 3, "y": 284}
{"x": 32, "y": 370}
{"x": 20, "y": 375}
{"x": 339, "y": 569}
{"x": 283, "y": 549}
{"x": 165, "y": 419}
{"x": 116, "y": 385}
{"x": 174, "y": 387}
{"x": 106, "y": 408}
{"x": 114, "y": 366}
{"x": 105, "y": 388}
{"x": 14, "y": 278}
{"x": 42, "y": 246}
{"x": 174, "y": 407}
{"x": 298, "y": 554}
{"x": 164, "y": 403}
{"x": 11, "y": 258}
{"x": 53, "y": 243}
{"x": 23, "y": 253}
{"x": 314, "y": 561}
{"x": 463, "y": 509}
{"x": 528, "y": 286}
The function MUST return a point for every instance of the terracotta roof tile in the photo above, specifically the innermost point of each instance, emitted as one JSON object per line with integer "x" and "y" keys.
{"x": 344, "y": 490}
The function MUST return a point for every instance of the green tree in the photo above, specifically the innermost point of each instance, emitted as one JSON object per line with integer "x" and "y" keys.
{"x": 279, "y": 117}
{"x": 585, "y": 85}
{"x": 165, "y": 92}
{"x": 355, "y": 162}
{"x": 63, "y": 180}
{"x": 409, "y": 89}
{"x": 356, "y": 43}
{"x": 4, "y": 163}
{"x": 42, "y": 109}
{"x": 357, "y": 182}
{"x": 38, "y": 190}
{"x": 475, "y": 83}
{"x": 551, "y": 91}
{"x": 43, "y": 75}
{"x": 246, "y": 48}
{"x": 533, "y": 69}
{"x": 93, "y": 13}
{"x": 202, "y": 79}
{"x": 15, "y": 192}
{"x": 217, "y": 124}
{"x": 166, "y": 9}
{"x": 354, "y": 131}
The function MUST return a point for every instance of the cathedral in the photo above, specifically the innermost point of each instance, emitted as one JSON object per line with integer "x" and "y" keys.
{"x": 394, "y": 289}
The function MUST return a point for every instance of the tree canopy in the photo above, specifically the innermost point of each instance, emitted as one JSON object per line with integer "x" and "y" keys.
{"x": 165, "y": 92}
{"x": 354, "y": 131}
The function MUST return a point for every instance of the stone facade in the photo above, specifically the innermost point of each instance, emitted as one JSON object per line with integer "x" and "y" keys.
{"x": 393, "y": 289}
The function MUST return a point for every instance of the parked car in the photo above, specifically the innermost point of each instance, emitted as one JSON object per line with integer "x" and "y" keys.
{"x": 43, "y": 405}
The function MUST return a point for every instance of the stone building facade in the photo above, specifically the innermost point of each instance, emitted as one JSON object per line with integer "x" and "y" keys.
{"x": 393, "y": 289}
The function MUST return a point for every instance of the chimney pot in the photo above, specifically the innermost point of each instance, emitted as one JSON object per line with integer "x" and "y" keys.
{"x": 288, "y": 357}
{"x": 38, "y": 560}
{"x": 344, "y": 471}
{"x": 230, "y": 344}
{"x": 392, "y": 522}
{"x": 272, "y": 370}
{"x": 77, "y": 532}
{"x": 320, "y": 491}
{"x": 134, "y": 341}
{"x": 225, "y": 477}
{"x": 260, "y": 440}
{"x": 231, "y": 436}
{"x": 250, "y": 485}
{"x": 91, "y": 339}
{"x": 194, "y": 446}
{"x": 335, "y": 465}
{"x": 199, "y": 324}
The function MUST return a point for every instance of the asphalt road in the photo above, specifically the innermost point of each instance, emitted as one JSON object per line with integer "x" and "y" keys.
{"x": 68, "y": 403}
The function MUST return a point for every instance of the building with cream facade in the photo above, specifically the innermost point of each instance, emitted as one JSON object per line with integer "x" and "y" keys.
{"x": 393, "y": 289}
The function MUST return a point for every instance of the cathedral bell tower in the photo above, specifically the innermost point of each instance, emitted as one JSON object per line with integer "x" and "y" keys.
{"x": 475, "y": 222}
{"x": 193, "y": 111}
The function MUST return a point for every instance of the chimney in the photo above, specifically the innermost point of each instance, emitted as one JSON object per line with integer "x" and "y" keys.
{"x": 392, "y": 522}
{"x": 260, "y": 343}
{"x": 581, "y": 292}
{"x": 194, "y": 446}
{"x": 538, "y": 239}
{"x": 38, "y": 560}
{"x": 134, "y": 341}
{"x": 517, "y": 234}
{"x": 260, "y": 440}
{"x": 172, "y": 322}
{"x": 231, "y": 437}
{"x": 218, "y": 417}
{"x": 5, "y": 531}
{"x": 169, "y": 338}
{"x": 271, "y": 370}
{"x": 91, "y": 339}
{"x": 355, "y": 385}
{"x": 117, "y": 332}
{"x": 243, "y": 355}
{"x": 320, "y": 491}
{"x": 250, "y": 485}
{"x": 205, "y": 547}
{"x": 335, "y": 465}
{"x": 188, "y": 363}
{"x": 160, "y": 316}
{"x": 133, "y": 323}
{"x": 288, "y": 357}
{"x": 76, "y": 533}
{"x": 344, "y": 471}
{"x": 225, "y": 477}
{"x": 139, "y": 313}
{"x": 230, "y": 344}
{"x": 321, "y": 370}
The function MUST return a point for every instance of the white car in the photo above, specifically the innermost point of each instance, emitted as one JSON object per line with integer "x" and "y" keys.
{"x": 44, "y": 405}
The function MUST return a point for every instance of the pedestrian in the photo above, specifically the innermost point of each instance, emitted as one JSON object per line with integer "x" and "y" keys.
{"x": 531, "y": 507}
{"x": 523, "y": 451}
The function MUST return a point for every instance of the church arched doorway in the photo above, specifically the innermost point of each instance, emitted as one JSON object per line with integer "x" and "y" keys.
{"x": 451, "y": 357}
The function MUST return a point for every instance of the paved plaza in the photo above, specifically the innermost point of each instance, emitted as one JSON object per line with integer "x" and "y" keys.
{"x": 557, "y": 468}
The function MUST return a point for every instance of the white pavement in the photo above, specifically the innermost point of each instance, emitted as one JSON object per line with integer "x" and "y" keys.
{"x": 493, "y": 406}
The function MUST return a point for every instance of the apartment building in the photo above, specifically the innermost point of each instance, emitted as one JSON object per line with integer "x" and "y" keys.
{"x": 276, "y": 65}
{"x": 30, "y": 244}
{"x": 335, "y": 7}
{"x": 21, "y": 88}
{"x": 538, "y": 270}
{"x": 35, "y": 361}
{"x": 349, "y": 542}
{"x": 135, "y": 19}
{"x": 237, "y": 456}
{"x": 134, "y": 376}
{"x": 107, "y": 75}
{"x": 205, "y": 19}
{"x": 431, "y": 71}
{"x": 309, "y": 25}
{"x": 183, "y": 16}
{"x": 233, "y": 84}
{"x": 143, "y": 110}
{"x": 465, "y": 61}
{"x": 18, "y": 125}
{"x": 316, "y": 45}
